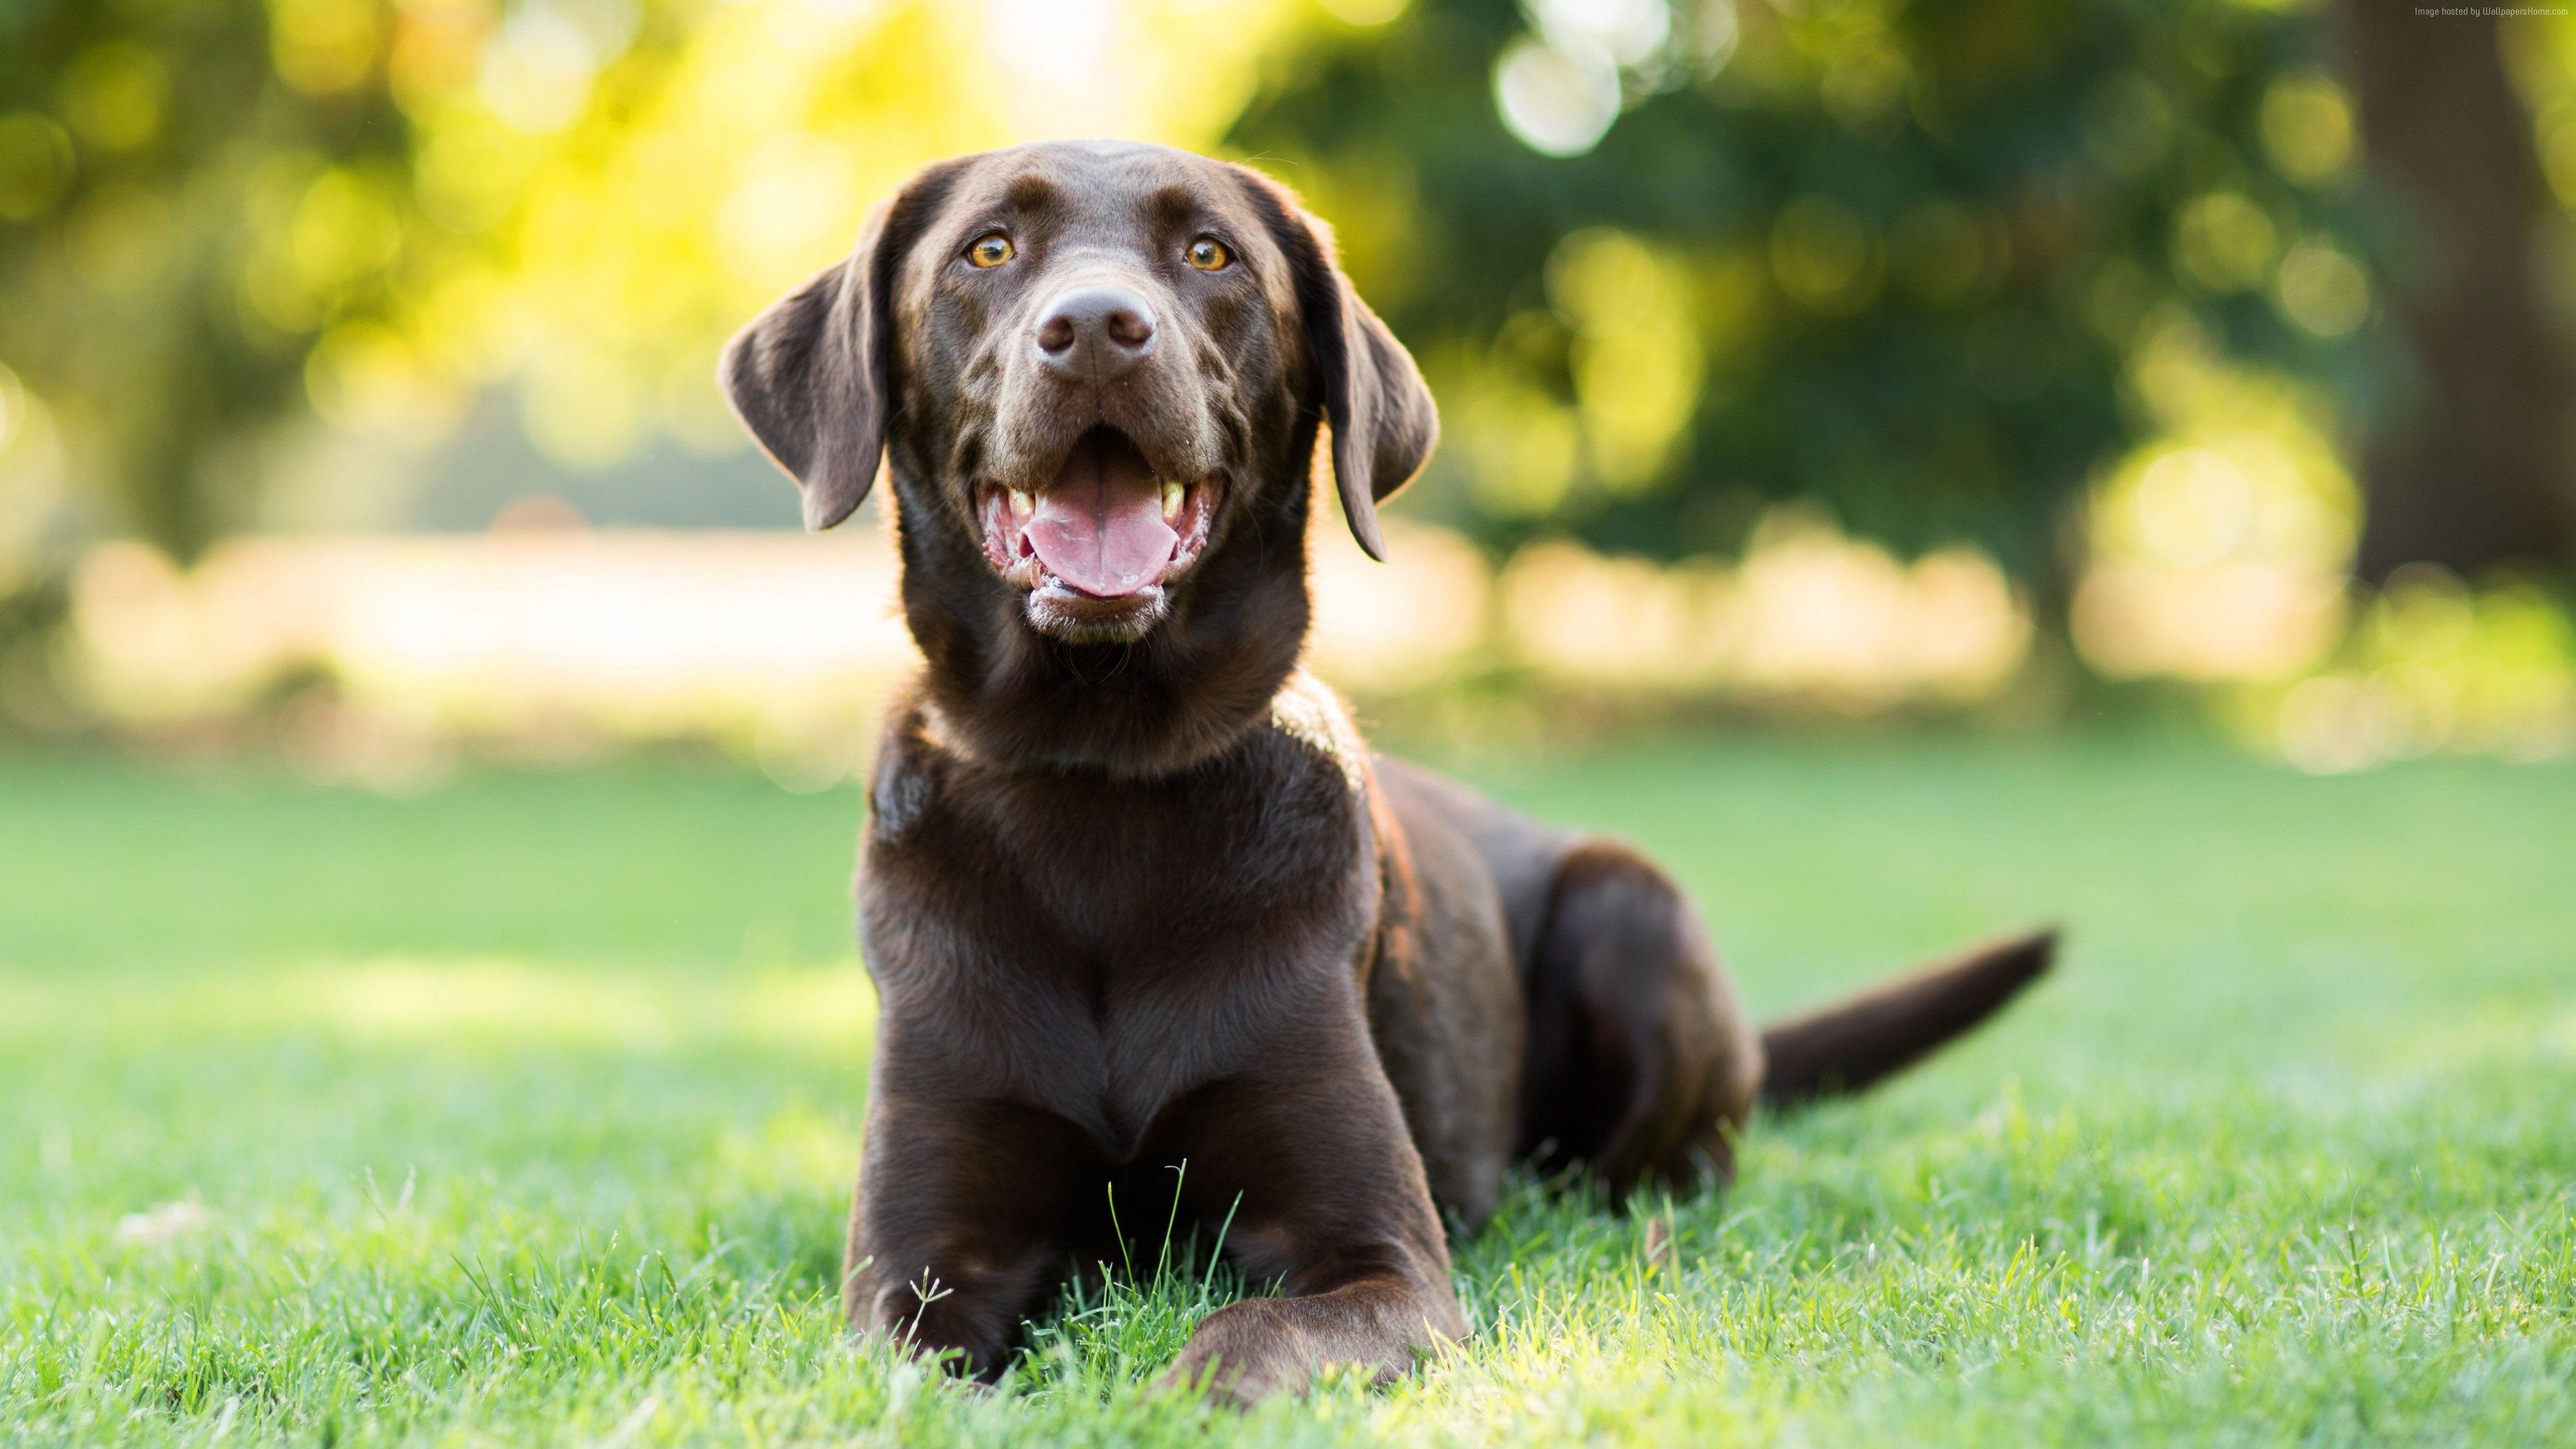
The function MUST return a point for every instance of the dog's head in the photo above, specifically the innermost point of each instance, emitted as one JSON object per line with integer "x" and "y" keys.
{"x": 1099, "y": 367}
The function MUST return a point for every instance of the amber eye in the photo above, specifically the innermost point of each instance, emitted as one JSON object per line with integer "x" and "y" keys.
{"x": 989, "y": 250}
{"x": 1209, "y": 255}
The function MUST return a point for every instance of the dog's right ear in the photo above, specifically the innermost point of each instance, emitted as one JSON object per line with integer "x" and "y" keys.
{"x": 808, "y": 378}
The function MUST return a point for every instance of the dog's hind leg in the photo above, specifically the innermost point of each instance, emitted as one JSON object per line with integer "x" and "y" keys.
{"x": 1640, "y": 1060}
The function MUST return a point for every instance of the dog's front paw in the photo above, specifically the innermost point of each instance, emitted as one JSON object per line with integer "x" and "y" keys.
{"x": 1246, "y": 1352}
{"x": 1241, "y": 1354}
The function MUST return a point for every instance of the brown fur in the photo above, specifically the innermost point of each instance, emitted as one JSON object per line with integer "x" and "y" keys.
{"x": 1134, "y": 894}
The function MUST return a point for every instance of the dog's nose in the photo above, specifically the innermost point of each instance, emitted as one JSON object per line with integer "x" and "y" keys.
{"x": 1095, "y": 333}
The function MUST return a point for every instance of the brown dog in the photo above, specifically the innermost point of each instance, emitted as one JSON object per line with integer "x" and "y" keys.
{"x": 1133, "y": 892}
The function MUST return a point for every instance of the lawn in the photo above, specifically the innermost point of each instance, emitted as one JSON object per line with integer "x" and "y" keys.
{"x": 524, "y": 1112}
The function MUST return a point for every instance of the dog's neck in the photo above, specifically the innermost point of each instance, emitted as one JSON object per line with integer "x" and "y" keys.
{"x": 1011, "y": 697}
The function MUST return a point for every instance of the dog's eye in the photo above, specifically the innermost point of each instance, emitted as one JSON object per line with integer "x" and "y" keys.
{"x": 1208, "y": 254}
{"x": 989, "y": 250}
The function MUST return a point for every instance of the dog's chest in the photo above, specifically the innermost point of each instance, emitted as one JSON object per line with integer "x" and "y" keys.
{"x": 1101, "y": 949}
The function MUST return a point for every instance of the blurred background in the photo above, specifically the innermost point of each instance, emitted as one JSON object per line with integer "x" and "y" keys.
{"x": 2013, "y": 361}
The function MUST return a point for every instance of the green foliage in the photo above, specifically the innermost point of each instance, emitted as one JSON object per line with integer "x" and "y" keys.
{"x": 1894, "y": 257}
{"x": 326, "y": 1118}
{"x": 177, "y": 221}
{"x": 1900, "y": 258}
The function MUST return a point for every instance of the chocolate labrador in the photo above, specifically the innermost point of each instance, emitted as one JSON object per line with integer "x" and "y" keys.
{"x": 1135, "y": 895}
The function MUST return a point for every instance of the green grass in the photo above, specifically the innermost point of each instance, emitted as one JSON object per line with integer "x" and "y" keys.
{"x": 524, "y": 1113}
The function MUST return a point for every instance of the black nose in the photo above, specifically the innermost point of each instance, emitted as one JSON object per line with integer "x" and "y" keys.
{"x": 1095, "y": 333}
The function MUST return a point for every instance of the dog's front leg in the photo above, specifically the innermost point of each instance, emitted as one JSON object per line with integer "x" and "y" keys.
{"x": 955, "y": 1235}
{"x": 1327, "y": 1200}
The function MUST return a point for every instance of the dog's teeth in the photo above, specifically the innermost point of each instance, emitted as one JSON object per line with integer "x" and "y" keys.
{"x": 1172, "y": 495}
{"x": 1022, "y": 505}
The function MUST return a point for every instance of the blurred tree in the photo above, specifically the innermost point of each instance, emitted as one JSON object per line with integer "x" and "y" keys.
{"x": 189, "y": 194}
{"x": 1671, "y": 264}
{"x": 2470, "y": 466}
{"x": 215, "y": 212}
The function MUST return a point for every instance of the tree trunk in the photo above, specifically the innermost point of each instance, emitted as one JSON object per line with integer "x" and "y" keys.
{"x": 2468, "y": 463}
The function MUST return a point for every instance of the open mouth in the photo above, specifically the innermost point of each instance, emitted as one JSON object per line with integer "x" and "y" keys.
{"x": 1103, "y": 529}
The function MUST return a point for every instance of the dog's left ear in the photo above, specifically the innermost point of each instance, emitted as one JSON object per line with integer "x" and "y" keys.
{"x": 1383, "y": 419}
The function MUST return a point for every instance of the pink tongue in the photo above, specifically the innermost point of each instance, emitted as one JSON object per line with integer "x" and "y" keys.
{"x": 1099, "y": 526}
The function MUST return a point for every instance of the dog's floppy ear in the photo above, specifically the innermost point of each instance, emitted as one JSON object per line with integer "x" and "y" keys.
{"x": 1383, "y": 419}
{"x": 808, "y": 376}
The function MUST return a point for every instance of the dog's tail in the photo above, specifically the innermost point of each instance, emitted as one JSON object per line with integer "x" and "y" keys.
{"x": 1885, "y": 1029}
